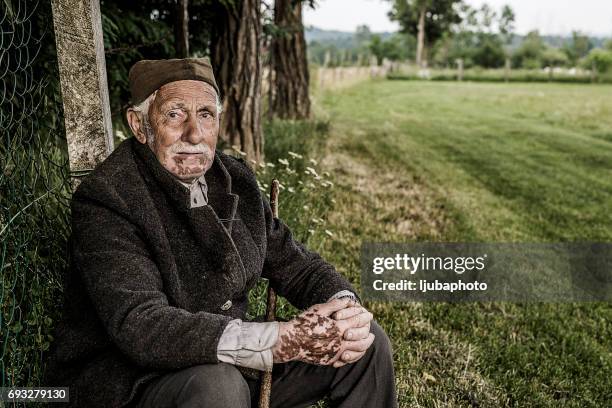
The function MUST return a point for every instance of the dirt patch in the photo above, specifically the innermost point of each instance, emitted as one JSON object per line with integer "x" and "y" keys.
{"x": 407, "y": 209}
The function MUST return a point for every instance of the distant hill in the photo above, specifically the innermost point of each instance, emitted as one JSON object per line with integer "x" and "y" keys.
{"x": 347, "y": 40}
{"x": 317, "y": 34}
{"x": 339, "y": 39}
{"x": 558, "y": 40}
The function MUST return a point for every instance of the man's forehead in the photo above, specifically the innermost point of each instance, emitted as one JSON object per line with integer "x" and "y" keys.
{"x": 186, "y": 102}
{"x": 186, "y": 92}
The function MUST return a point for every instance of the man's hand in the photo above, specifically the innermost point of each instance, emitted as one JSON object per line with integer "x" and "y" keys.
{"x": 315, "y": 337}
{"x": 357, "y": 337}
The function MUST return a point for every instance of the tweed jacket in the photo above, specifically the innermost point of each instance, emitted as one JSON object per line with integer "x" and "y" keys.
{"x": 150, "y": 277}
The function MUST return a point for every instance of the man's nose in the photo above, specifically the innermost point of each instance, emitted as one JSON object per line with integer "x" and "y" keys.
{"x": 193, "y": 133}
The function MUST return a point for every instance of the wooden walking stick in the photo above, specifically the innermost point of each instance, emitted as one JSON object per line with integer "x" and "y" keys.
{"x": 266, "y": 378}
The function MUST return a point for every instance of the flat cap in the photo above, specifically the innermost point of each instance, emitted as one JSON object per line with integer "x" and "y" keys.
{"x": 147, "y": 76}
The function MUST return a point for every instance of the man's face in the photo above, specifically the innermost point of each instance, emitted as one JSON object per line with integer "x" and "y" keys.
{"x": 184, "y": 121}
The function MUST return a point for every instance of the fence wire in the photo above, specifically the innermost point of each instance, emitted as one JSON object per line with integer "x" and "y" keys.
{"x": 34, "y": 190}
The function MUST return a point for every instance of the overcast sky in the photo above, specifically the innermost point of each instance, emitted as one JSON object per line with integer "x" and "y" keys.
{"x": 549, "y": 16}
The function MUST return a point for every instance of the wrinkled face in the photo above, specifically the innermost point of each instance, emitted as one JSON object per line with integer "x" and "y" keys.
{"x": 185, "y": 125}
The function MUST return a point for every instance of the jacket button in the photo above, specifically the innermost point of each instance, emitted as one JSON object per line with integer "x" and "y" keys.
{"x": 226, "y": 305}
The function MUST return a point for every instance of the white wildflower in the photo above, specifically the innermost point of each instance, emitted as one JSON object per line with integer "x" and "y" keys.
{"x": 295, "y": 155}
{"x": 311, "y": 170}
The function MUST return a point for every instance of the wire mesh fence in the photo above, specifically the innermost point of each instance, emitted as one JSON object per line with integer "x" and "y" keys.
{"x": 34, "y": 190}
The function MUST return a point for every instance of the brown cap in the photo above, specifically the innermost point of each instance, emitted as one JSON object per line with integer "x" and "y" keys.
{"x": 147, "y": 76}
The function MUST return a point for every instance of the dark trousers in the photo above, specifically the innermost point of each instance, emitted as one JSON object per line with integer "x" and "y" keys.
{"x": 370, "y": 382}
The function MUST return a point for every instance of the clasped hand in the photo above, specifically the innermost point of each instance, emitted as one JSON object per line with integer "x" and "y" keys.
{"x": 333, "y": 333}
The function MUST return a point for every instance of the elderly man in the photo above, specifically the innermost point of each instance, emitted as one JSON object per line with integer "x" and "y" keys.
{"x": 168, "y": 237}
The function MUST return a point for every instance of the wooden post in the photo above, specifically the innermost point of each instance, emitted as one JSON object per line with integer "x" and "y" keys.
{"x": 459, "y": 69}
{"x": 80, "y": 55}
{"x": 327, "y": 61}
{"x": 507, "y": 69}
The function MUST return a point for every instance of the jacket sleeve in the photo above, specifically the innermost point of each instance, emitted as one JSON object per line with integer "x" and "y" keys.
{"x": 295, "y": 272}
{"x": 127, "y": 292}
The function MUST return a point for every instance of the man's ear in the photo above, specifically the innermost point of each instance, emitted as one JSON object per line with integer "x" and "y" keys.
{"x": 136, "y": 125}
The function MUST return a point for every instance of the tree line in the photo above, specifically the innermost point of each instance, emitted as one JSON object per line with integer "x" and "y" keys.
{"x": 451, "y": 30}
{"x": 440, "y": 33}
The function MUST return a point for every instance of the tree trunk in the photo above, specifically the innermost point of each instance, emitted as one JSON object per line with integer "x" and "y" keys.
{"x": 270, "y": 112}
{"x": 290, "y": 98}
{"x": 425, "y": 55}
{"x": 236, "y": 60}
{"x": 181, "y": 29}
{"x": 421, "y": 36}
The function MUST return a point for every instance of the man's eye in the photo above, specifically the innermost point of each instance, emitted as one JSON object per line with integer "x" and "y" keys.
{"x": 205, "y": 114}
{"x": 173, "y": 115}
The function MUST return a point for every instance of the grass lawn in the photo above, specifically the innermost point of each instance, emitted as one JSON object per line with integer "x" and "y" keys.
{"x": 418, "y": 161}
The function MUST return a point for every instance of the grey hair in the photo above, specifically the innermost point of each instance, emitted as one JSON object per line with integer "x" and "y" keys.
{"x": 143, "y": 109}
